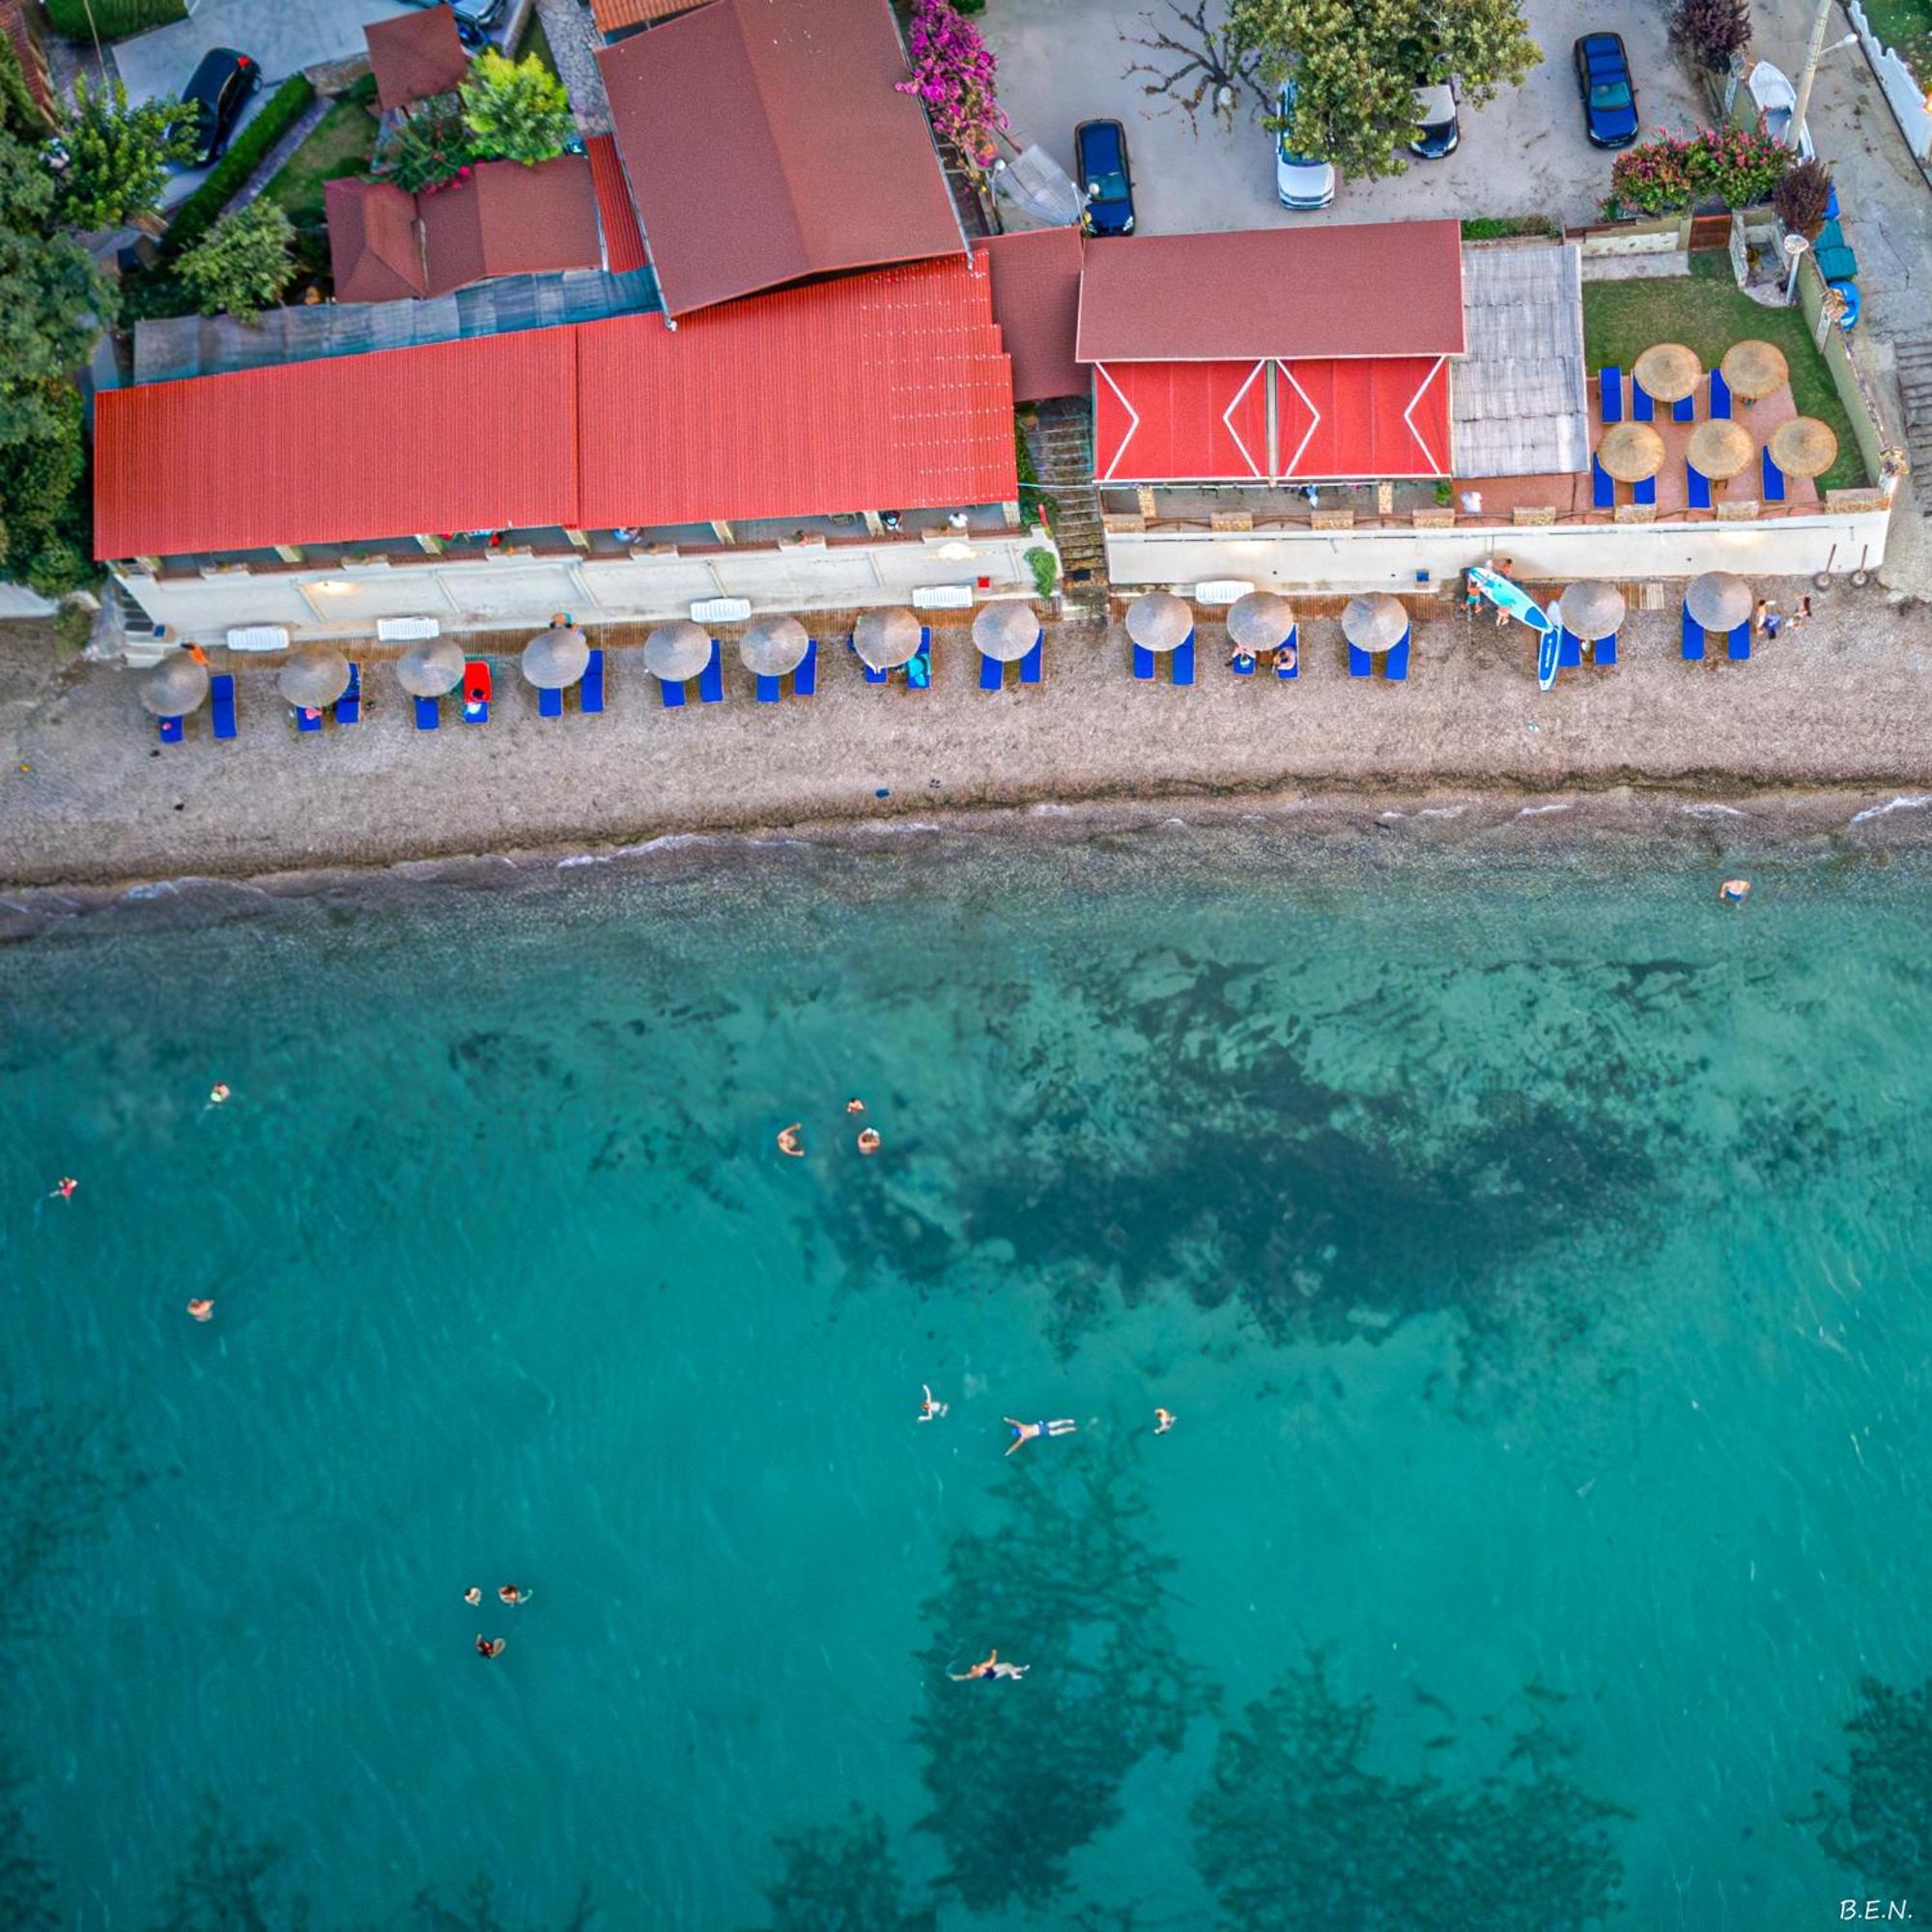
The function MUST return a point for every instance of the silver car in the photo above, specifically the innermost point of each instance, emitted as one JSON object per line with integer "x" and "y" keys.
{"x": 1300, "y": 181}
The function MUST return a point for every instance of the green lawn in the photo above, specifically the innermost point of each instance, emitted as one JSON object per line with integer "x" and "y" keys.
{"x": 114, "y": 19}
{"x": 1906, "y": 26}
{"x": 343, "y": 141}
{"x": 1707, "y": 312}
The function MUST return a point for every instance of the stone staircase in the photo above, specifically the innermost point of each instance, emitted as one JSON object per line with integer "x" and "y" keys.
{"x": 1914, "y": 388}
{"x": 1063, "y": 446}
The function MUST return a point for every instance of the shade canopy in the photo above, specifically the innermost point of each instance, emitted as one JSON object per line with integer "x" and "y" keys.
{"x": 314, "y": 676}
{"x": 1260, "y": 622}
{"x": 1630, "y": 451}
{"x": 1719, "y": 600}
{"x": 771, "y": 647}
{"x": 1755, "y": 369}
{"x": 175, "y": 686}
{"x": 1669, "y": 372}
{"x": 1160, "y": 621}
{"x": 676, "y": 651}
{"x": 429, "y": 670}
{"x": 1803, "y": 446}
{"x": 1720, "y": 448}
{"x": 557, "y": 656}
{"x": 884, "y": 639}
{"x": 1374, "y": 622}
{"x": 1007, "y": 630}
{"x": 1592, "y": 609}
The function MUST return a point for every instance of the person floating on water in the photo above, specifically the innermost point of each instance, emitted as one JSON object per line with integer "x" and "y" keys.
{"x": 788, "y": 1141}
{"x": 931, "y": 1410}
{"x": 855, "y": 1107}
{"x": 510, "y": 1593}
{"x": 217, "y": 1094}
{"x": 202, "y": 1309}
{"x": 1734, "y": 892}
{"x": 490, "y": 1646}
{"x": 1163, "y": 1421}
{"x": 870, "y": 1141}
{"x": 472, "y": 1596}
{"x": 1025, "y": 1432}
{"x": 65, "y": 1187}
{"x": 990, "y": 1666}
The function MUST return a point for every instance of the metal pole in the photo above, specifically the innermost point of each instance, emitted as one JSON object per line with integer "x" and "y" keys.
{"x": 1811, "y": 74}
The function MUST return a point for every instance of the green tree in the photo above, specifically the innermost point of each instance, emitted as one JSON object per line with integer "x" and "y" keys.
{"x": 243, "y": 264}
{"x": 430, "y": 146}
{"x": 518, "y": 110}
{"x": 1357, "y": 63}
{"x": 43, "y": 530}
{"x": 116, "y": 155}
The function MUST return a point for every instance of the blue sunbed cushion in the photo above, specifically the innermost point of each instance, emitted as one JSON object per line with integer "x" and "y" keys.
{"x": 711, "y": 679}
{"x": 1774, "y": 480}
{"x": 590, "y": 692}
{"x": 1721, "y": 396}
{"x": 919, "y": 672}
{"x": 1646, "y": 490}
{"x": 1642, "y": 408}
{"x": 1395, "y": 665}
{"x": 805, "y": 679}
{"x": 1604, "y": 652}
{"x": 877, "y": 677}
{"x": 349, "y": 706}
{"x": 768, "y": 689}
{"x": 307, "y": 718}
{"x": 1684, "y": 410}
{"x": 549, "y": 703}
{"x": 1569, "y": 650}
{"x": 222, "y": 703}
{"x": 1360, "y": 663}
{"x": 1694, "y": 636}
{"x": 1294, "y": 641}
{"x": 1700, "y": 488}
{"x": 1183, "y": 661}
{"x": 1739, "y": 646}
{"x": 1611, "y": 395}
{"x": 1033, "y": 667}
{"x": 171, "y": 730}
{"x": 1143, "y": 662}
{"x": 670, "y": 692}
{"x": 992, "y": 673}
{"x": 1602, "y": 487}
{"x": 429, "y": 713}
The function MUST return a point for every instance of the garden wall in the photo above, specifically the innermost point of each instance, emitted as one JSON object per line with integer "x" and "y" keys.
{"x": 1907, "y": 95}
{"x": 1860, "y": 401}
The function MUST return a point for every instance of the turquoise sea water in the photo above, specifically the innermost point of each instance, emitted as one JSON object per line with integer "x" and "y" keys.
{"x": 1533, "y": 1253}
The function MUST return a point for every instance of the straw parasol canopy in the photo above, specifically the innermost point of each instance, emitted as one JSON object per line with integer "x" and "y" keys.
{"x": 1719, "y": 600}
{"x": 313, "y": 677}
{"x": 676, "y": 651}
{"x": 1803, "y": 446}
{"x": 1160, "y": 621}
{"x": 1260, "y": 622}
{"x": 1630, "y": 451}
{"x": 771, "y": 647}
{"x": 1374, "y": 622}
{"x": 175, "y": 687}
{"x": 1592, "y": 609}
{"x": 1755, "y": 369}
{"x": 1668, "y": 370}
{"x": 884, "y": 639}
{"x": 1007, "y": 630}
{"x": 1720, "y": 448}
{"x": 429, "y": 670}
{"x": 557, "y": 656}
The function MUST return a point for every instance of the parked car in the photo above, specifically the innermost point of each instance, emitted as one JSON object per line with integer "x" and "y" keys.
{"x": 1438, "y": 130}
{"x": 216, "y": 97}
{"x": 1106, "y": 180}
{"x": 1771, "y": 89}
{"x": 474, "y": 18}
{"x": 1301, "y": 182}
{"x": 1610, "y": 95}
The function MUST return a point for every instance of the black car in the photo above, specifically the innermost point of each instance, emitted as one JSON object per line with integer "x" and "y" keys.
{"x": 216, "y": 97}
{"x": 1106, "y": 180}
{"x": 1610, "y": 95}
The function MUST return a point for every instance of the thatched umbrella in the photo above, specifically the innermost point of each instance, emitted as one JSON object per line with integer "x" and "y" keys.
{"x": 1669, "y": 372}
{"x": 313, "y": 677}
{"x": 1007, "y": 630}
{"x": 1630, "y": 451}
{"x": 676, "y": 651}
{"x": 1374, "y": 622}
{"x": 1260, "y": 622}
{"x": 1592, "y": 609}
{"x": 1719, "y": 600}
{"x": 887, "y": 638}
{"x": 771, "y": 647}
{"x": 429, "y": 670}
{"x": 1755, "y": 369}
{"x": 175, "y": 687}
{"x": 1160, "y": 621}
{"x": 557, "y": 656}
{"x": 1720, "y": 448}
{"x": 1803, "y": 446}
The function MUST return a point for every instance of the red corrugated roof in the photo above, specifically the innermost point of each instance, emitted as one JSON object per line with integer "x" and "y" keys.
{"x": 765, "y": 142}
{"x": 459, "y": 435}
{"x": 1036, "y": 304}
{"x": 416, "y": 55}
{"x": 613, "y": 17}
{"x": 623, "y": 238}
{"x": 886, "y": 391}
{"x": 1391, "y": 288}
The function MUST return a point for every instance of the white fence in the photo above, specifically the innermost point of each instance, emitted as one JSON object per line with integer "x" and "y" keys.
{"x": 1911, "y": 101}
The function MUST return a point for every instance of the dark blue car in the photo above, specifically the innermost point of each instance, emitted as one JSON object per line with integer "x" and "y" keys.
{"x": 1610, "y": 95}
{"x": 1105, "y": 181}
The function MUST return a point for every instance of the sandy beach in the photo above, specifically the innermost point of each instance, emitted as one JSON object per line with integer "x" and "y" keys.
{"x": 1841, "y": 710}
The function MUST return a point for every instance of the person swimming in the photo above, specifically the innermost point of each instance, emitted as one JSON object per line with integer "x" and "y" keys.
{"x": 855, "y": 1107}
{"x": 929, "y": 1409}
{"x": 217, "y": 1094}
{"x": 789, "y": 1142}
{"x": 65, "y": 1187}
{"x": 1163, "y": 1421}
{"x": 202, "y": 1309}
{"x": 868, "y": 1140}
{"x": 509, "y": 1593}
{"x": 472, "y": 1596}
{"x": 1734, "y": 892}
{"x": 1026, "y": 1432}
{"x": 490, "y": 1646}
{"x": 989, "y": 1666}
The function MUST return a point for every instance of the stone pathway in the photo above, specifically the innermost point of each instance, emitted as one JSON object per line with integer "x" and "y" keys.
{"x": 574, "y": 41}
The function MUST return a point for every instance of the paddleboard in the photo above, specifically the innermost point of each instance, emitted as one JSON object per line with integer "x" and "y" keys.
{"x": 1510, "y": 597}
{"x": 1547, "y": 645}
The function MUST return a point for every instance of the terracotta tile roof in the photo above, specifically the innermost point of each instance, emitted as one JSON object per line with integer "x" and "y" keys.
{"x": 26, "y": 49}
{"x": 457, "y": 436}
{"x": 1391, "y": 288}
{"x": 765, "y": 143}
{"x": 416, "y": 55}
{"x": 509, "y": 219}
{"x": 374, "y": 248}
{"x": 613, "y": 17}
{"x": 1036, "y": 304}
{"x": 623, "y": 238}
{"x": 886, "y": 391}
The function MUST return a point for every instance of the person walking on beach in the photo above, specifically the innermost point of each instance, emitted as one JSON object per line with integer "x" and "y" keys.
{"x": 490, "y": 1646}
{"x": 1803, "y": 615}
{"x": 1773, "y": 624}
{"x": 1503, "y": 566}
{"x": 1026, "y": 1432}
{"x": 931, "y": 1410}
{"x": 1761, "y": 616}
{"x": 990, "y": 1666}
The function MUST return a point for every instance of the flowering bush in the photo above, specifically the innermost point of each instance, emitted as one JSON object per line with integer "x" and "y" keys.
{"x": 1671, "y": 171}
{"x": 952, "y": 73}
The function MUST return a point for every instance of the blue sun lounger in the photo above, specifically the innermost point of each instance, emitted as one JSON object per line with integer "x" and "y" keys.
{"x": 307, "y": 718}
{"x": 1143, "y": 662}
{"x": 1394, "y": 664}
{"x": 767, "y": 689}
{"x": 919, "y": 672}
{"x": 1602, "y": 487}
{"x": 1721, "y": 396}
{"x": 590, "y": 692}
{"x": 549, "y": 703}
{"x": 670, "y": 692}
{"x": 222, "y": 704}
{"x": 1700, "y": 486}
{"x": 1646, "y": 490}
{"x": 1184, "y": 659}
{"x": 1642, "y": 408}
{"x": 1033, "y": 667}
{"x": 1604, "y": 652}
{"x": 874, "y": 676}
{"x": 1293, "y": 642}
{"x": 1361, "y": 662}
{"x": 171, "y": 730}
{"x": 1693, "y": 637}
{"x": 349, "y": 706}
{"x": 805, "y": 679}
{"x": 1774, "y": 479}
{"x": 1611, "y": 395}
{"x": 1739, "y": 647}
{"x": 1242, "y": 663}
{"x": 429, "y": 713}
{"x": 711, "y": 679}
{"x": 992, "y": 672}
{"x": 1569, "y": 650}
{"x": 1684, "y": 410}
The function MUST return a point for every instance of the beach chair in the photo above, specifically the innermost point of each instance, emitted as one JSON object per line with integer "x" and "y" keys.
{"x": 711, "y": 679}
{"x": 590, "y": 692}
{"x": 1700, "y": 486}
{"x": 222, "y": 703}
{"x": 1694, "y": 638}
{"x": 1394, "y": 661}
{"x": 919, "y": 672}
{"x": 308, "y": 717}
{"x": 476, "y": 692}
{"x": 1774, "y": 479}
{"x": 1033, "y": 667}
{"x": 349, "y": 706}
{"x": 1611, "y": 395}
{"x": 1293, "y": 639}
{"x": 1721, "y": 396}
{"x": 1684, "y": 410}
{"x": 767, "y": 689}
{"x": 171, "y": 730}
{"x": 1646, "y": 490}
{"x": 805, "y": 679}
{"x": 671, "y": 693}
{"x": 1184, "y": 659}
{"x": 1604, "y": 652}
{"x": 876, "y": 676}
{"x": 1569, "y": 650}
{"x": 1642, "y": 408}
{"x": 1242, "y": 663}
{"x": 1361, "y": 662}
{"x": 549, "y": 703}
{"x": 429, "y": 713}
{"x": 992, "y": 673}
{"x": 1143, "y": 662}
{"x": 1738, "y": 650}
{"x": 1602, "y": 487}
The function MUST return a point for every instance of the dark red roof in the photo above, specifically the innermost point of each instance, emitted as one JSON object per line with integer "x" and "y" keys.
{"x": 623, "y": 238}
{"x": 613, "y": 17}
{"x": 1036, "y": 304}
{"x": 1391, "y": 288}
{"x": 765, "y": 143}
{"x": 509, "y": 219}
{"x": 375, "y": 247}
{"x": 416, "y": 55}
{"x": 885, "y": 391}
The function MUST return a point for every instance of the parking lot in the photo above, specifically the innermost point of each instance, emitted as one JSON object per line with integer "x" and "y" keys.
{"x": 1065, "y": 61}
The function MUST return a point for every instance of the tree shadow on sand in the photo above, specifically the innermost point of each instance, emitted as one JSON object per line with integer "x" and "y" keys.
{"x": 1876, "y": 1820}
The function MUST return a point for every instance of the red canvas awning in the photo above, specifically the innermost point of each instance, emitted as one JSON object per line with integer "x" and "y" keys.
{"x": 1376, "y": 417}
{"x": 1156, "y": 422}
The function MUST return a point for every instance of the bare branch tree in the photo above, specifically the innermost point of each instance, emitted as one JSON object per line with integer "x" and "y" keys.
{"x": 1196, "y": 66}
